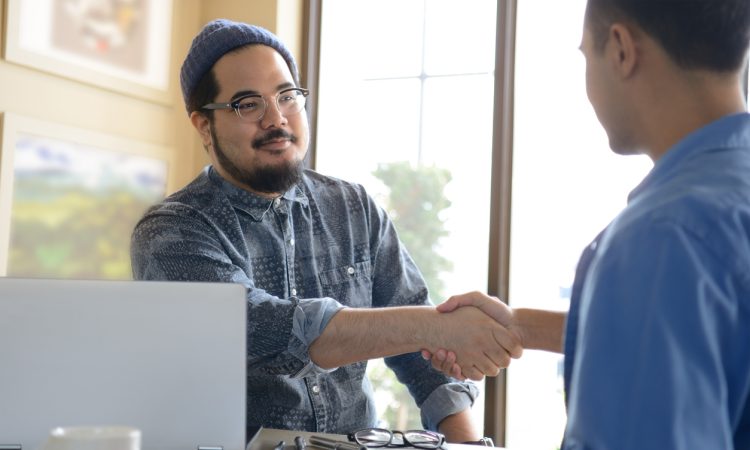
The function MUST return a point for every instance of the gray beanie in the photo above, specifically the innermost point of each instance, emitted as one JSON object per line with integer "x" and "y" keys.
{"x": 216, "y": 39}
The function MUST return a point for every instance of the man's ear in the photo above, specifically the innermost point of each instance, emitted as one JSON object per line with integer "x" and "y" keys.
{"x": 203, "y": 125}
{"x": 624, "y": 49}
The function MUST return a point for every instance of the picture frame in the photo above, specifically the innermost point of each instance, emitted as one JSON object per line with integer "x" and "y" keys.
{"x": 70, "y": 197}
{"x": 123, "y": 46}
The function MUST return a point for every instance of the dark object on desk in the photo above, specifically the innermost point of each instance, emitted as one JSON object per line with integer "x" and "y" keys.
{"x": 299, "y": 443}
{"x": 485, "y": 441}
{"x": 331, "y": 444}
{"x": 380, "y": 437}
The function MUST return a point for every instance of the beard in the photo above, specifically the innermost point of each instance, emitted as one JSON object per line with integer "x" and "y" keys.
{"x": 268, "y": 179}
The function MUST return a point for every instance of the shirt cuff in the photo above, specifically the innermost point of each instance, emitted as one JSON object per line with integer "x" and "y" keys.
{"x": 446, "y": 400}
{"x": 310, "y": 319}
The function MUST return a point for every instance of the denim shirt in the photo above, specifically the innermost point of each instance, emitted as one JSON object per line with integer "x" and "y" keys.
{"x": 322, "y": 246}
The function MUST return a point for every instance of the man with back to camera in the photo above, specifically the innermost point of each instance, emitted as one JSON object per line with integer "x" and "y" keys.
{"x": 319, "y": 259}
{"x": 656, "y": 341}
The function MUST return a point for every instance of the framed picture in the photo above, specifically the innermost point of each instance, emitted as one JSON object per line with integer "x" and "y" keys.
{"x": 69, "y": 199}
{"x": 123, "y": 45}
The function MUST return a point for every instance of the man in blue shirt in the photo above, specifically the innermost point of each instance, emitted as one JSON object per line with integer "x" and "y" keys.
{"x": 656, "y": 338}
{"x": 329, "y": 284}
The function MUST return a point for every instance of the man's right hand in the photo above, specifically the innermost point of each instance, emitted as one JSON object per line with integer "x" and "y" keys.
{"x": 483, "y": 345}
{"x": 448, "y": 362}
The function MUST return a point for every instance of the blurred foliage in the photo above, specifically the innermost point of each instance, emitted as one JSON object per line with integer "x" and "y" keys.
{"x": 73, "y": 233}
{"x": 415, "y": 202}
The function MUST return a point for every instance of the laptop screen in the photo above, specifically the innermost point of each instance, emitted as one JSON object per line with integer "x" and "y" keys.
{"x": 165, "y": 357}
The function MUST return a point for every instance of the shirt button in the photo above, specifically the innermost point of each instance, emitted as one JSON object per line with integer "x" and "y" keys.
{"x": 294, "y": 291}
{"x": 291, "y": 242}
{"x": 350, "y": 270}
{"x": 316, "y": 389}
{"x": 277, "y": 202}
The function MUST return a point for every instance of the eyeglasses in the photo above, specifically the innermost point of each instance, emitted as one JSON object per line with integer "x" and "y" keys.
{"x": 379, "y": 437}
{"x": 252, "y": 107}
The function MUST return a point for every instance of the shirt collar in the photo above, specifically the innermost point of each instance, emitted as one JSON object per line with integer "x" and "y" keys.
{"x": 253, "y": 204}
{"x": 728, "y": 132}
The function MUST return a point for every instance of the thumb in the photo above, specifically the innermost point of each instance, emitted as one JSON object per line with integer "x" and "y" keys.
{"x": 449, "y": 305}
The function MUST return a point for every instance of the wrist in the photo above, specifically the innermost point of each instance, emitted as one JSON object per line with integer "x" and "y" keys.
{"x": 540, "y": 329}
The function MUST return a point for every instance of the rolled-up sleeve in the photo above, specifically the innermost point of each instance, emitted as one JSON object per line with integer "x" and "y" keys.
{"x": 174, "y": 243}
{"x": 446, "y": 400}
{"x": 309, "y": 321}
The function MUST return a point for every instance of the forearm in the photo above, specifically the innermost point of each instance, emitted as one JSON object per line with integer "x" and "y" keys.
{"x": 540, "y": 329}
{"x": 459, "y": 427}
{"x": 354, "y": 335}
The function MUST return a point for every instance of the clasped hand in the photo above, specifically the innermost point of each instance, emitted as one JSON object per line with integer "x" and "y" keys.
{"x": 481, "y": 337}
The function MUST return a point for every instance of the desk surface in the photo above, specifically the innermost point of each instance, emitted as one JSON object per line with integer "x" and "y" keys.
{"x": 269, "y": 438}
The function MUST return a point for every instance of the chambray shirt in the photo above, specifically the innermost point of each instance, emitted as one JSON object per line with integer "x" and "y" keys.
{"x": 322, "y": 246}
{"x": 658, "y": 335}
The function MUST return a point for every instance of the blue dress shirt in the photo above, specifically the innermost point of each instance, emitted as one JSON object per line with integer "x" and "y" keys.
{"x": 321, "y": 246}
{"x": 658, "y": 339}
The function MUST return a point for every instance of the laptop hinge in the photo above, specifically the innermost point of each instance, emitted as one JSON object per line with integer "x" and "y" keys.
{"x": 205, "y": 447}
{"x": 11, "y": 446}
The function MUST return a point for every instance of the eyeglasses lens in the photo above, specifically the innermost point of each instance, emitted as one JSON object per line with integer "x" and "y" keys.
{"x": 422, "y": 439}
{"x": 373, "y": 437}
{"x": 289, "y": 102}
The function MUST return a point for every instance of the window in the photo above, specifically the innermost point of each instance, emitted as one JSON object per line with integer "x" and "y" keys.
{"x": 405, "y": 107}
{"x": 567, "y": 185}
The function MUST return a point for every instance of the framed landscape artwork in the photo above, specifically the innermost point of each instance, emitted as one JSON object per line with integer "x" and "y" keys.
{"x": 69, "y": 199}
{"x": 122, "y": 45}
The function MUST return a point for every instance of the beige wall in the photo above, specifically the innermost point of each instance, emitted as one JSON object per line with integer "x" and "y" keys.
{"x": 56, "y": 99}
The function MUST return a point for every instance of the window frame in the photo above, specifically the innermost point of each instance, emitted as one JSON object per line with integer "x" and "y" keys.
{"x": 501, "y": 171}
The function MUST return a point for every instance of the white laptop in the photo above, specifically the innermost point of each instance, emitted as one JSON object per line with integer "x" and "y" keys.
{"x": 165, "y": 357}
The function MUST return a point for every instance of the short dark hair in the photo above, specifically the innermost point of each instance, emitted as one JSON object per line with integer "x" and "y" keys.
{"x": 205, "y": 92}
{"x": 696, "y": 34}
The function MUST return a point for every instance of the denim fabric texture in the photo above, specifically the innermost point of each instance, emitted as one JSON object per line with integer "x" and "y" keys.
{"x": 322, "y": 246}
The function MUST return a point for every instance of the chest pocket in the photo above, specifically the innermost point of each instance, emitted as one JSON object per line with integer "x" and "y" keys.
{"x": 350, "y": 285}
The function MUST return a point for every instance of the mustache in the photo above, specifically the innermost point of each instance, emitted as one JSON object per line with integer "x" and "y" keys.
{"x": 273, "y": 135}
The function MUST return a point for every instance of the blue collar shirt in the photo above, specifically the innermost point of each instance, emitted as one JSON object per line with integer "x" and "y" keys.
{"x": 657, "y": 341}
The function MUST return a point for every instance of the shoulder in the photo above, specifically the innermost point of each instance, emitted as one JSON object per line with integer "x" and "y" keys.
{"x": 708, "y": 220}
{"x": 316, "y": 181}
{"x": 199, "y": 200}
{"x": 327, "y": 188}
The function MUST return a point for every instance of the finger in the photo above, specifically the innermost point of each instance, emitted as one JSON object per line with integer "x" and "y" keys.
{"x": 450, "y": 361}
{"x": 456, "y": 372}
{"x": 509, "y": 342}
{"x": 426, "y": 355}
{"x": 500, "y": 360}
{"x": 474, "y": 298}
{"x": 472, "y": 373}
{"x": 487, "y": 366}
{"x": 448, "y": 305}
{"x": 438, "y": 361}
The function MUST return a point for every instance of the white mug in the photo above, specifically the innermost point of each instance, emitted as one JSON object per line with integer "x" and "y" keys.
{"x": 94, "y": 438}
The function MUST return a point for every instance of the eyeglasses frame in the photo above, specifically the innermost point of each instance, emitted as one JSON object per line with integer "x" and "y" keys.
{"x": 405, "y": 442}
{"x": 235, "y": 104}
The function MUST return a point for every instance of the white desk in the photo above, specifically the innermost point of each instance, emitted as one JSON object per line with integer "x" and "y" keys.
{"x": 269, "y": 438}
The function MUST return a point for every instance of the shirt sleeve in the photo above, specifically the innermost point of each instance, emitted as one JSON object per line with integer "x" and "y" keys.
{"x": 176, "y": 243}
{"x": 650, "y": 366}
{"x": 398, "y": 282}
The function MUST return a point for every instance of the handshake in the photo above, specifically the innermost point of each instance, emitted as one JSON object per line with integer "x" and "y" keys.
{"x": 479, "y": 337}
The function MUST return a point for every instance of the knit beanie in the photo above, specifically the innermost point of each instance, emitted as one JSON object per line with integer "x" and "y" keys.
{"x": 216, "y": 39}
